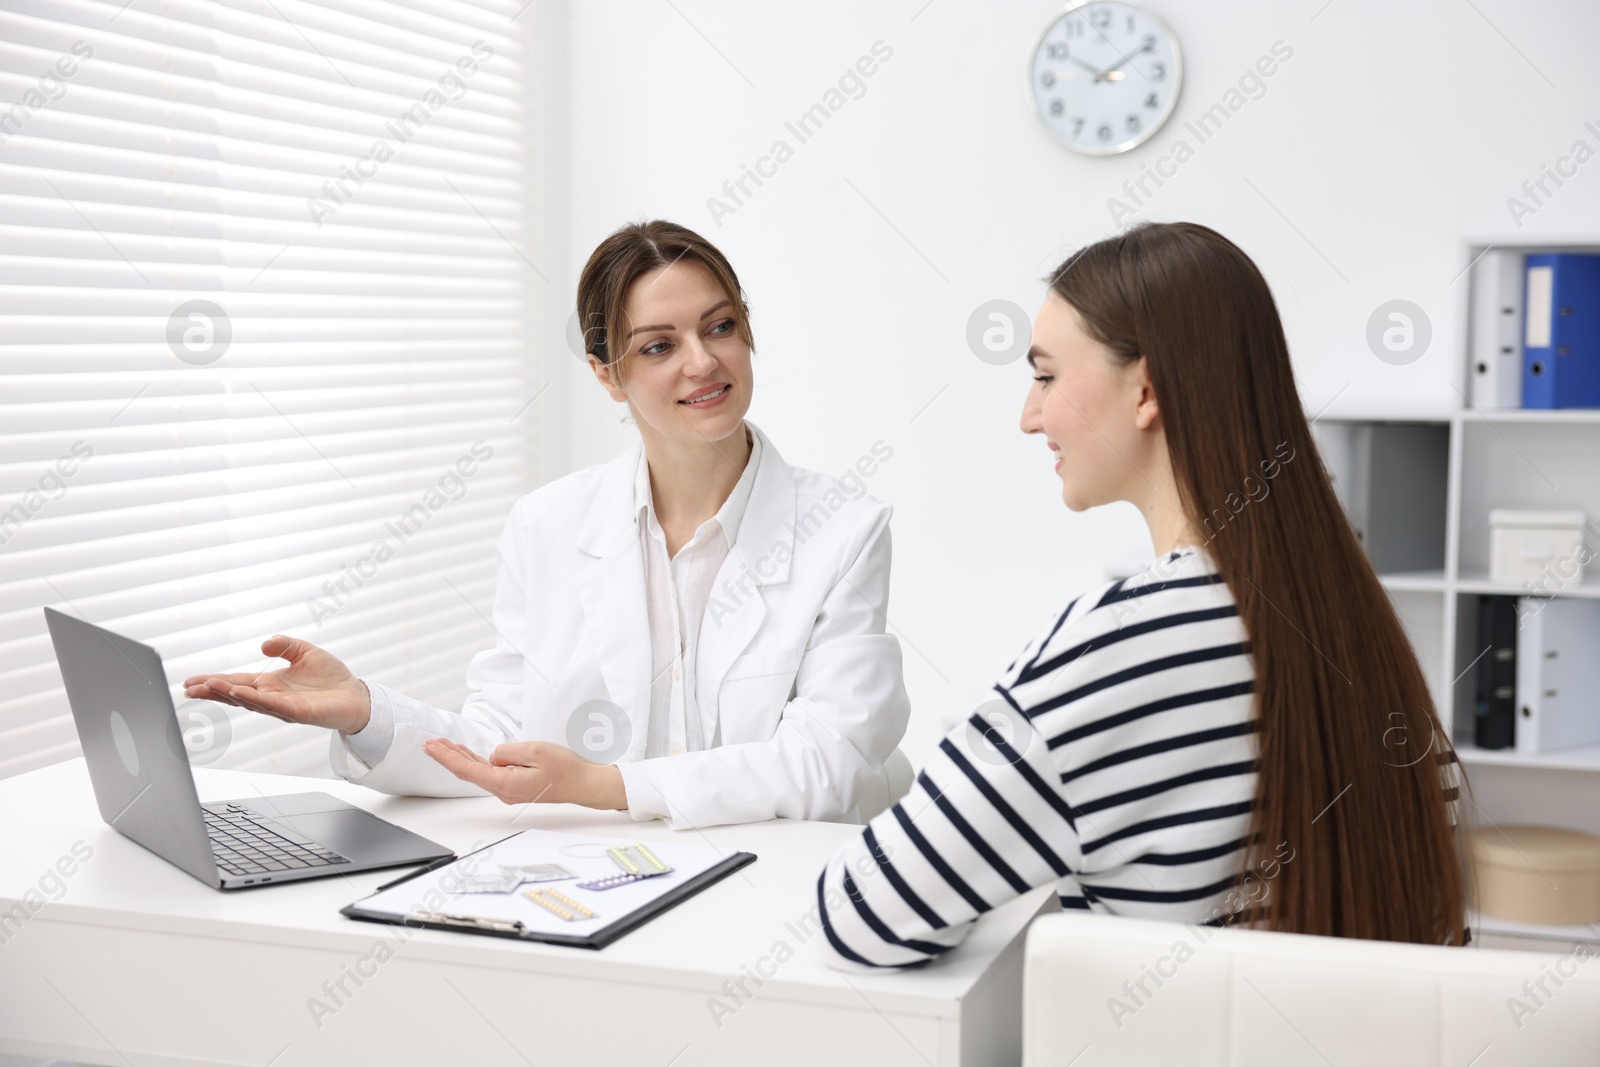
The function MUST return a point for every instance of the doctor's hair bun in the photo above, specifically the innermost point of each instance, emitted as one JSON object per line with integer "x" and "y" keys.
{"x": 622, "y": 259}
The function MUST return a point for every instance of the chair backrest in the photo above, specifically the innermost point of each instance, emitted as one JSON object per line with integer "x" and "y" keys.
{"x": 1101, "y": 989}
{"x": 890, "y": 786}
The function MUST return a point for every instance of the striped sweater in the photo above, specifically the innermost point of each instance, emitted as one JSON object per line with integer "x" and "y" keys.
{"x": 1117, "y": 762}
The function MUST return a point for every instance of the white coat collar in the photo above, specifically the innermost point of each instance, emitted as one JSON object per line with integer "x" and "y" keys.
{"x": 728, "y": 517}
{"x": 767, "y": 524}
{"x": 611, "y": 586}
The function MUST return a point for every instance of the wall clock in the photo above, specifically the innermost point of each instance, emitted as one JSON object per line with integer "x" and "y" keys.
{"x": 1104, "y": 75}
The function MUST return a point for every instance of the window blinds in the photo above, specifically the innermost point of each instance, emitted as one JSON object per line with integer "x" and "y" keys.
{"x": 265, "y": 269}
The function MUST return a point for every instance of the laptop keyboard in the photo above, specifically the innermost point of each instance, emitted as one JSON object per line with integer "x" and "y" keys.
{"x": 245, "y": 843}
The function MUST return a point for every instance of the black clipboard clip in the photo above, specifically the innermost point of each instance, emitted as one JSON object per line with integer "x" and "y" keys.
{"x": 423, "y": 917}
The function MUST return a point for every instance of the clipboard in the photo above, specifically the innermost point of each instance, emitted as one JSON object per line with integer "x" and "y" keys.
{"x": 618, "y": 914}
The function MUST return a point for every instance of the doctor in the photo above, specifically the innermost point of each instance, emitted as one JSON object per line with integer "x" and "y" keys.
{"x": 694, "y": 631}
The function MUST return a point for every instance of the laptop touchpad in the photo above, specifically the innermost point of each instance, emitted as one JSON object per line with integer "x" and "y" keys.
{"x": 354, "y": 834}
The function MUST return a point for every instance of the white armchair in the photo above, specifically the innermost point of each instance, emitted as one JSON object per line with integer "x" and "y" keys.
{"x": 1139, "y": 993}
{"x": 891, "y": 785}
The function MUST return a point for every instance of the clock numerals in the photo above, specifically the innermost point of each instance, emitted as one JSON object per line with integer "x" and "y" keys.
{"x": 1104, "y": 75}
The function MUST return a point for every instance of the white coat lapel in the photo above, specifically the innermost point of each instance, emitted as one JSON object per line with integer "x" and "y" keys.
{"x": 759, "y": 557}
{"x": 611, "y": 589}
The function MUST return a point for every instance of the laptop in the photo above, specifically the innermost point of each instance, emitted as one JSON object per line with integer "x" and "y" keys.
{"x": 139, "y": 767}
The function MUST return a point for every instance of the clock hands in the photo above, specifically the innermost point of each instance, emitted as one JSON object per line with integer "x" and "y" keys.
{"x": 1092, "y": 70}
{"x": 1111, "y": 74}
{"x": 1099, "y": 75}
{"x": 1124, "y": 61}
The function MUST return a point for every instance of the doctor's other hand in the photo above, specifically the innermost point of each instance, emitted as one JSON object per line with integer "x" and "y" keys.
{"x": 316, "y": 688}
{"x": 523, "y": 772}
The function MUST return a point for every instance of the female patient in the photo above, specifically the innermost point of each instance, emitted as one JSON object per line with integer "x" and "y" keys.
{"x": 1241, "y": 733}
{"x": 659, "y": 613}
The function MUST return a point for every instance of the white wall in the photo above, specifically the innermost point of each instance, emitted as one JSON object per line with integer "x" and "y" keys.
{"x": 1393, "y": 135}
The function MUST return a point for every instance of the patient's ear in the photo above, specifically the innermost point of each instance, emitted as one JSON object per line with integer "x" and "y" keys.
{"x": 1146, "y": 411}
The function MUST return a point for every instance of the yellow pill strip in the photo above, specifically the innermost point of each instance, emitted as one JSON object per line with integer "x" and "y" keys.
{"x": 624, "y": 857}
{"x": 538, "y": 897}
{"x": 651, "y": 856}
{"x": 569, "y": 902}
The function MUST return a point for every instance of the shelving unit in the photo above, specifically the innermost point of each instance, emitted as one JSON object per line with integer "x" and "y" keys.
{"x": 1559, "y": 935}
{"x": 1586, "y": 758}
{"x": 1550, "y": 463}
{"x": 1419, "y": 490}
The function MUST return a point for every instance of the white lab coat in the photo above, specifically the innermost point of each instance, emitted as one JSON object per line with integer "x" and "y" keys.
{"x": 799, "y": 685}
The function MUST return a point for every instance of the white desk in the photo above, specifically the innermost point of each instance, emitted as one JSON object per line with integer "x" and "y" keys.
{"x": 137, "y": 963}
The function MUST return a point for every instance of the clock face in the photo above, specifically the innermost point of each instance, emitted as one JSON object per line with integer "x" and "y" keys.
{"x": 1104, "y": 75}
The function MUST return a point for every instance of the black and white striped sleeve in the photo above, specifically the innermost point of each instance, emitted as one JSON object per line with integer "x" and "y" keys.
{"x": 1118, "y": 763}
{"x": 983, "y": 823}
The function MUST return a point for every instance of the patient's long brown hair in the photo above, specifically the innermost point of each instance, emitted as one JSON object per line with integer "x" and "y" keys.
{"x": 1351, "y": 749}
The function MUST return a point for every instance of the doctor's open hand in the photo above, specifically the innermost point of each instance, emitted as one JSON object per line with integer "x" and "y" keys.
{"x": 316, "y": 688}
{"x": 523, "y": 772}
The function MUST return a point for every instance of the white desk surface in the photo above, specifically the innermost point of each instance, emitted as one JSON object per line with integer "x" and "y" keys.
{"x": 694, "y": 948}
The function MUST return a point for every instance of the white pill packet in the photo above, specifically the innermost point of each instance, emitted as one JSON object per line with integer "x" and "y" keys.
{"x": 540, "y": 872}
{"x": 501, "y": 881}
